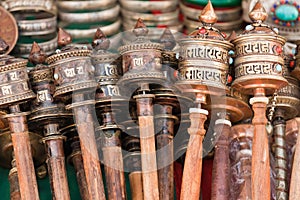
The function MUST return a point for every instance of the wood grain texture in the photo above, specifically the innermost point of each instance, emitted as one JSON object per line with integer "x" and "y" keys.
{"x": 80, "y": 175}
{"x": 260, "y": 154}
{"x": 24, "y": 161}
{"x": 57, "y": 169}
{"x": 114, "y": 172}
{"x": 165, "y": 166}
{"x": 295, "y": 176}
{"x": 221, "y": 164}
{"x": 136, "y": 182}
{"x": 191, "y": 180}
{"x": 148, "y": 154}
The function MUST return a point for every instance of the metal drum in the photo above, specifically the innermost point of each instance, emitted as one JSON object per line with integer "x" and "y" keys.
{"x": 72, "y": 66}
{"x": 142, "y": 58}
{"x": 259, "y": 56}
{"x": 204, "y": 58}
{"x": 14, "y": 86}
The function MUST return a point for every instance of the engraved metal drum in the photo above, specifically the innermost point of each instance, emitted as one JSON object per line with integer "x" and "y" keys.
{"x": 288, "y": 97}
{"x": 14, "y": 84}
{"x": 73, "y": 70}
{"x": 142, "y": 58}
{"x": 259, "y": 62}
{"x": 45, "y": 109}
{"x": 203, "y": 65}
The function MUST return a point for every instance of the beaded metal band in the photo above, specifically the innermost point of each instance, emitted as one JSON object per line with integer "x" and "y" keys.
{"x": 108, "y": 30}
{"x": 151, "y": 17}
{"x": 44, "y": 24}
{"x": 231, "y": 14}
{"x": 98, "y": 16}
{"x": 85, "y": 5}
{"x": 145, "y": 6}
{"x": 24, "y": 49}
{"x": 17, "y": 5}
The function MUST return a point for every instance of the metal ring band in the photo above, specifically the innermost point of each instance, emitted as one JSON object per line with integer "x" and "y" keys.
{"x": 24, "y": 49}
{"x": 108, "y": 30}
{"x": 151, "y": 17}
{"x": 146, "y": 6}
{"x": 21, "y": 5}
{"x": 85, "y": 5}
{"x": 45, "y": 23}
{"x": 232, "y": 14}
{"x": 223, "y": 26}
{"x": 89, "y": 17}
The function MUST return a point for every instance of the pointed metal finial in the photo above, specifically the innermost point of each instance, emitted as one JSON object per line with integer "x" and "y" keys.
{"x": 167, "y": 38}
{"x": 37, "y": 55}
{"x": 3, "y": 46}
{"x": 100, "y": 42}
{"x": 140, "y": 28}
{"x": 208, "y": 15}
{"x": 258, "y": 14}
{"x": 63, "y": 38}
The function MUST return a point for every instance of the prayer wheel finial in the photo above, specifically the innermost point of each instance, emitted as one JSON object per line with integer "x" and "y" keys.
{"x": 140, "y": 28}
{"x": 63, "y": 38}
{"x": 100, "y": 42}
{"x": 258, "y": 14}
{"x": 3, "y": 46}
{"x": 208, "y": 15}
{"x": 37, "y": 55}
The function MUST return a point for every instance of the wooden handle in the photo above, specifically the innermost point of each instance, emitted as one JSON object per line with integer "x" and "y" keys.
{"x": 295, "y": 176}
{"x": 91, "y": 161}
{"x": 261, "y": 188}
{"x": 136, "y": 180}
{"x": 80, "y": 174}
{"x": 165, "y": 166}
{"x": 113, "y": 166}
{"x": 24, "y": 162}
{"x": 221, "y": 164}
{"x": 148, "y": 154}
{"x": 191, "y": 179}
{"x": 57, "y": 169}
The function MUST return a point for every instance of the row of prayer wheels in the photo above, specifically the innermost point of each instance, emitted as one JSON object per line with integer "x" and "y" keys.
{"x": 138, "y": 110}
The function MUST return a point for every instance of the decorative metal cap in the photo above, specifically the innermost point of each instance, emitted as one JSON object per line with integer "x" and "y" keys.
{"x": 208, "y": 17}
{"x": 168, "y": 40}
{"x": 258, "y": 13}
{"x": 67, "y": 50}
{"x": 3, "y": 46}
{"x": 100, "y": 42}
{"x": 37, "y": 55}
{"x": 141, "y": 42}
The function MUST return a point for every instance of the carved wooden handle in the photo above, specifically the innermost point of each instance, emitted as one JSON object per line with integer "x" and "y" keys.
{"x": 136, "y": 180}
{"x": 113, "y": 165}
{"x": 165, "y": 166}
{"x": 148, "y": 157}
{"x": 221, "y": 165}
{"x": 57, "y": 169}
{"x": 24, "y": 162}
{"x": 80, "y": 174}
{"x": 260, "y": 154}
{"x": 191, "y": 180}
